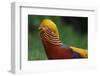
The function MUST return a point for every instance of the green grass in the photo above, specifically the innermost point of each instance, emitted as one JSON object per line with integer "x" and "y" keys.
{"x": 35, "y": 47}
{"x": 72, "y": 38}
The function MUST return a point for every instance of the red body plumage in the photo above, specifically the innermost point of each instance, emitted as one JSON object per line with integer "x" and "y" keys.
{"x": 53, "y": 47}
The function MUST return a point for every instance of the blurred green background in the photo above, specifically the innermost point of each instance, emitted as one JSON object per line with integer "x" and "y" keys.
{"x": 73, "y": 31}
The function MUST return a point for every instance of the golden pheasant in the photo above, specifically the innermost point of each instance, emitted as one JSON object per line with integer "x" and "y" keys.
{"x": 53, "y": 46}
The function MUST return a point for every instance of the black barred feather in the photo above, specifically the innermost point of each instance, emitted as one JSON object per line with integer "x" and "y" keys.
{"x": 51, "y": 37}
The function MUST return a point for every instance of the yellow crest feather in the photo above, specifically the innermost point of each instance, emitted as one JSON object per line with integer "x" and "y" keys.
{"x": 51, "y": 25}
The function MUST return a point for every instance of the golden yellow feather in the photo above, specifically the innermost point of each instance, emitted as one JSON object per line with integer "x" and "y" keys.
{"x": 49, "y": 24}
{"x": 82, "y": 52}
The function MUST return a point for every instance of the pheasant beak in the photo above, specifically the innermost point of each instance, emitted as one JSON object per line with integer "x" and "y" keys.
{"x": 40, "y": 28}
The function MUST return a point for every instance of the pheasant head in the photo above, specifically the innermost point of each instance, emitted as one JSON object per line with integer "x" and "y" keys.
{"x": 49, "y": 24}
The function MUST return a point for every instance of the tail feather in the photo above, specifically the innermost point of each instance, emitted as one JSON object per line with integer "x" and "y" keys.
{"x": 82, "y": 52}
